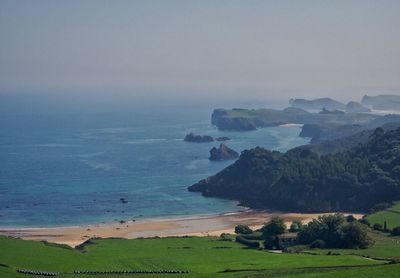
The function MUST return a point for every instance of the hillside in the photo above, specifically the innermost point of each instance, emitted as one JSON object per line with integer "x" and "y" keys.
{"x": 302, "y": 180}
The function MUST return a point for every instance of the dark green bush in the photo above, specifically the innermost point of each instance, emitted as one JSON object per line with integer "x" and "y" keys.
{"x": 249, "y": 243}
{"x": 318, "y": 243}
{"x": 243, "y": 229}
{"x": 396, "y": 231}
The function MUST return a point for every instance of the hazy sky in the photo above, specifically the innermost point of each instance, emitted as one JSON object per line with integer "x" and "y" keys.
{"x": 201, "y": 48}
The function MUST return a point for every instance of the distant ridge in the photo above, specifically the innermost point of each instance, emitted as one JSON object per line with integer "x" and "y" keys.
{"x": 382, "y": 102}
{"x": 317, "y": 104}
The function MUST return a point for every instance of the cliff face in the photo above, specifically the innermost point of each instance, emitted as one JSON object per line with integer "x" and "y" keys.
{"x": 302, "y": 180}
{"x": 224, "y": 121}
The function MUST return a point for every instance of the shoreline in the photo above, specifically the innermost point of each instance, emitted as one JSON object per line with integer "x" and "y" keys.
{"x": 191, "y": 225}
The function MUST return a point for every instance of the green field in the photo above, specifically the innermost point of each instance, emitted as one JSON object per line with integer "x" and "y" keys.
{"x": 202, "y": 257}
{"x": 390, "y": 215}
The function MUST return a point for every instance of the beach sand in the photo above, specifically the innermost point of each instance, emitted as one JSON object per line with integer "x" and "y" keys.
{"x": 212, "y": 225}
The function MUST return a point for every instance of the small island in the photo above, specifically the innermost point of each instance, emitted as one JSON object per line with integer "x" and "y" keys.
{"x": 222, "y": 153}
{"x": 191, "y": 137}
{"x": 222, "y": 138}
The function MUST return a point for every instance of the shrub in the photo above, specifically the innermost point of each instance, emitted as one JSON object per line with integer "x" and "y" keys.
{"x": 377, "y": 227}
{"x": 364, "y": 221}
{"x": 253, "y": 236}
{"x": 270, "y": 242}
{"x": 225, "y": 237}
{"x": 396, "y": 231}
{"x": 243, "y": 229}
{"x": 318, "y": 243}
{"x": 249, "y": 243}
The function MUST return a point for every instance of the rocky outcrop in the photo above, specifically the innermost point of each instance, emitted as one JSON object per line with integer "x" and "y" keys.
{"x": 222, "y": 153}
{"x": 356, "y": 107}
{"x": 223, "y": 138}
{"x": 191, "y": 137}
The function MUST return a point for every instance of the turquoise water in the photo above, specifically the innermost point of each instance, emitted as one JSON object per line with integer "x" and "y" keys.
{"x": 66, "y": 169}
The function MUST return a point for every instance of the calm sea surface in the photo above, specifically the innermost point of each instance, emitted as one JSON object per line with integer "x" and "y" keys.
{"x": 66, "y": 169}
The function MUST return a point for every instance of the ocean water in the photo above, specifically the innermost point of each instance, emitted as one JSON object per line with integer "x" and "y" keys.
{"x": 72, "y": 168}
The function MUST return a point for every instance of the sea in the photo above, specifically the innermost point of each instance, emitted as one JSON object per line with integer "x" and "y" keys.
{"x": 63, "y": 168}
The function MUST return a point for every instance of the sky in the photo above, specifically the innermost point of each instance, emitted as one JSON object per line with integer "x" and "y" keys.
{"x": 200, "y": 49}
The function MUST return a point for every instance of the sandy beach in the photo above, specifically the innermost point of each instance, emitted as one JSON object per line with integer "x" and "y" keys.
{"x": 191, "y": 226}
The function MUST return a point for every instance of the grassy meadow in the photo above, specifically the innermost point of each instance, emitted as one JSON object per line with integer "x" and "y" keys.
{"x": 201, "y": 256}
{"x": 390, "y": 215}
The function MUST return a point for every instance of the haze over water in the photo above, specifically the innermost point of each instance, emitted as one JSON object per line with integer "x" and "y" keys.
{"x": 97, "y": 96}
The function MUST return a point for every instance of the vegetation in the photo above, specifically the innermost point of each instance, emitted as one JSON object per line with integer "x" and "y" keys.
{"x": 275, "y": 226}
{"x": 302, "y": 180}
{"x": 395, "y": 231}
{"x": 243, "y": 229}
{"x": 296, "y": 226}
{"x": 201, "y": 257}
{"x": 384, "y": 248}
{"x": 215, "y": 256}
{"x": 333, "y": 231}
{"x": 390, "y": 215}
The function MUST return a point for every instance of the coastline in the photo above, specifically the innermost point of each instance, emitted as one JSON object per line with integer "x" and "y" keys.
{"x": 196, "y": 225}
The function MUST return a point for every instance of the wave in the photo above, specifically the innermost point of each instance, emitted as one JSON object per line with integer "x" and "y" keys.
{"x": 52, "y": 145}
{"x": 98, "y": 165}
{"x": 146, "y": 141}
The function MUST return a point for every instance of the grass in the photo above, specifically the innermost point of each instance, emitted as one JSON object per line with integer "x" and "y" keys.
{"x": 390, "y": 215}
{"x": 201, "y": 256}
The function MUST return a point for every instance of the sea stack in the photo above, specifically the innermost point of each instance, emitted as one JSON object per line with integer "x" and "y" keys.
{"x": 222, "y": 153}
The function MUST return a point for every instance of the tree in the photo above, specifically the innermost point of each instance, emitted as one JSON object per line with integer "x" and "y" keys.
{"x": 355, "y": 236}
{"x": 335, "y": 232}
{"x": 275, "y": 226}
{"x": 296, "y": 226}
{"x": 396, "y": 231}
{"x": 385, "y": 226}
{"x": 243, "y": 229}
